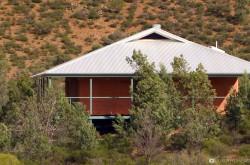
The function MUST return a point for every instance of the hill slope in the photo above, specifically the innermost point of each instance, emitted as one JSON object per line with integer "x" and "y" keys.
{"x": 38, "y": 34}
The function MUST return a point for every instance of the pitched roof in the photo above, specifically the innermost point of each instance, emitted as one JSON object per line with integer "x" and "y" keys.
{"x": 160, "y": 47}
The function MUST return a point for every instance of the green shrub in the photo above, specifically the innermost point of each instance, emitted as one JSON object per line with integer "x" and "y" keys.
{"x": 8, "y": 159}
{"x": 72, "y": 49}
{"x": 13, "y": 2}
{"x": 178, "y": 141}
{"x": 65, "y": 24}
{"x": 4, "y": 137}
{"x": 218, "y": 10}
{"x": 22, "y": 38}
{"x": 79, "y": 156}
{"x": 226, "y": 139}
{"x": 93, "y": 3}
{"x": 112, "y": 150}
{"x": 112, "y": 38}
{"x": 93, "y": 14}
{"x": 11, "y": 45}
{"x": 186, "y": 158}
{"x": 81, "y": 14}
{"x": 215, "y": 148}
{"x": 116, "y": 5}
{"x": 18, "y": 60}
{"x": 244, "y": 150}
{"x": 96, "y": 46}
{"x": 43, "y": 28}
{"x": 20, "y": 9}
{"x": 57, "y": 4}
{"x": 113, "y": 25}
{"x": 59, "y": 155}
{"x": 89, "y": 40}
{"x": 61, "y": 58}
{"x": 56, "y": 15}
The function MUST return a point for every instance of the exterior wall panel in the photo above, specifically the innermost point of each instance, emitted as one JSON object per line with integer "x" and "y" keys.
{"x": 111, "y": 96}
{"x": 223, "y": 86}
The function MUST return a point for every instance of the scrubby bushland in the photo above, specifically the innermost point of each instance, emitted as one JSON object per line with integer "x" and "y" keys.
{"x": 32, "y": 125}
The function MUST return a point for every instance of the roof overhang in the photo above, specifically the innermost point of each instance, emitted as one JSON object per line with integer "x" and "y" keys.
{"x": 125, "y": 75}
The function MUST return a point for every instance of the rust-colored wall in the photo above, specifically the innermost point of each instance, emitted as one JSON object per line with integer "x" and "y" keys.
{"x": 111, "y": 87}
{"x": 106, "y": 87}
{"x": 71, "y": 88}
{"x": 223, "y": 86}
{"x": 84, "y": 91}
{"x": 119, "y": 87}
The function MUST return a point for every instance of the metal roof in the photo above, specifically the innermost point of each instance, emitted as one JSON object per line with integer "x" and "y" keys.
{"x": 111, "y": 60}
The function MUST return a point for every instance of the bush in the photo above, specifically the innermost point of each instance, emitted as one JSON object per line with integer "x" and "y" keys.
{"x": 79, "y": 156}
{"x": 57, "y": 4}
{"x": 218, "y": 10}
{"x": 22, "y": 38}
{"x": 4, "y": 137}
{"x": 89, "y": 40}
{"x": 56, "y": 15}
{"x": 215, "y": 148}
{"x": 61, "y": 58}
{"x": 116, "y": 5}
{"x": 112, "y": 38}
{"x": 96, "y": 46}
{"x": 186, "y": 158}
{"x": 42, "y": 28}
{"x": 112, "y": 150}
{"x": 93, "y": 14}
{"x": 226, "y": 139}
{"x": 21, "y": 9}
{"x": 81, "y": 14}
{"x": 244, "y": 150}
{"x": 179, "y": 141}
{"x": 9, "y": 159}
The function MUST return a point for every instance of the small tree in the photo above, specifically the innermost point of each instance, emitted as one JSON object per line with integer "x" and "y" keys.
{"x": 233, "y": 110}
{"x": 149, "y": 92}
{"x": 197, "y": 116}
{"x": 151, "y": 118}
{"x": 244, "y": 95}
{"x": 5, "y": 137}
{"x": 20, "y": 89}
{"x": 147, "y": 136}
{"x": 244, "y": 91}
{"x": 193, "y": 86}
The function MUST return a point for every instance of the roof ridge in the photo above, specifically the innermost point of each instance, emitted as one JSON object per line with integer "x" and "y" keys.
{"x": 156, "y": 30}
{"x": 127, "y": 39}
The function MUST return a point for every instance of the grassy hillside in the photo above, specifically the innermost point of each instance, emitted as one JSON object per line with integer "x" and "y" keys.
{"x": 38, "y": 34}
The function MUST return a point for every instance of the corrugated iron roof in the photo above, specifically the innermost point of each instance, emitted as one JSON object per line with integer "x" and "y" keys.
{"x": 111, "y": 60}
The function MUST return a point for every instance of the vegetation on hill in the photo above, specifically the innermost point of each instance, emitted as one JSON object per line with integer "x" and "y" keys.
{"x": 38, "y": 34}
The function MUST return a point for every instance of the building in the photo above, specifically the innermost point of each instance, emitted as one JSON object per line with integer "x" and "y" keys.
{"x": 101, "y": 79}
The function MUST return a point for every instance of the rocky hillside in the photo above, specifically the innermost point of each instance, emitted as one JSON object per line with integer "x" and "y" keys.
{"x": 38, "y": 34}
